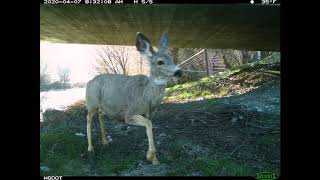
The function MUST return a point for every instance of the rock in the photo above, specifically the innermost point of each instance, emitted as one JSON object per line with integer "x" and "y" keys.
{"x": 44, "y": 168}
{"x": 109, "y": 138}
{"x": 80, "y": 134}
{"x": 234, "y": 119}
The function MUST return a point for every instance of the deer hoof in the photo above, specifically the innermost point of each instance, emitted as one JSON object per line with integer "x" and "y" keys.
{"x": 151, "y": 156}
{"x": 90, "y": 149}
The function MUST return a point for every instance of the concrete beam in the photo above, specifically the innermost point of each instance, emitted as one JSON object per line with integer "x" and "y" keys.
{"x": 251, "y": 27}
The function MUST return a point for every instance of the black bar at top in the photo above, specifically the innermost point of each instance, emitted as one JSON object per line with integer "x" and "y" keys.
{"x": 256, "y": 2}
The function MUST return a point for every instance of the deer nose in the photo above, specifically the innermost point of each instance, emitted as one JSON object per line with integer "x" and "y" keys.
{"x": 178, "y": 73}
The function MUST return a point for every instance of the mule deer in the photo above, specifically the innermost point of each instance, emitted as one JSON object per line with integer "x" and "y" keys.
{"x": 132, "y": 98}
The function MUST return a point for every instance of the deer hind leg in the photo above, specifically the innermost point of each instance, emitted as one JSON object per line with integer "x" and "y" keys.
{"x": 89, "y": 129}
{"x": 141, "y": 121}
{"x": 103, "y": 129}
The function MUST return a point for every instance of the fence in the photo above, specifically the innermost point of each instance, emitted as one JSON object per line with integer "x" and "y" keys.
{"x": 201, "y": 62}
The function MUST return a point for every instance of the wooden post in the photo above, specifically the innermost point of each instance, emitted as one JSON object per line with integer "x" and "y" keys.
{"x": 206, "y": 61}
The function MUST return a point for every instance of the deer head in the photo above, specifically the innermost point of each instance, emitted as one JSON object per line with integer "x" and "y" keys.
{"x": 162, "y": 66}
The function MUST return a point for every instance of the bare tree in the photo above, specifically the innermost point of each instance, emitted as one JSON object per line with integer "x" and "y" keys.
{"x": 44, "y": 76}
{"x": 43, "y": 68}
{"x": 64, "y": 75}
{"x": 44, "y": 82}
{"x": 112, "y": 60}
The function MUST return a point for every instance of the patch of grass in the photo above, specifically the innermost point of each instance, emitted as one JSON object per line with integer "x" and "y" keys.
{"x": 61, "y": 152}
{"x": 107, "y": 165}
{"x": 185, "y": 95}
{"x": 62, "y": 166}
{"x": 64, "y": 153}
{"x": 223, "y": 167}
{"x": 233, "y": 81}
{"x": 55, "y": 127}
{"x": 212, "y": 101}
{"x": 224, "y": 92}
{"x": 183, "y": 165}
{"x": 187, "y": 86}
{"x": 66, "y": 143}
{"x": 268, "y": 167}
{"x": 190, "y": 95}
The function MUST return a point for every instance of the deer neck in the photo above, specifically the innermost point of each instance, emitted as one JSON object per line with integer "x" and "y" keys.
{"x": 155, "y": 89}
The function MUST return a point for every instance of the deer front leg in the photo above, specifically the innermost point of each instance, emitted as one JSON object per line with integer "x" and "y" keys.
{"x": 141, "y": 121}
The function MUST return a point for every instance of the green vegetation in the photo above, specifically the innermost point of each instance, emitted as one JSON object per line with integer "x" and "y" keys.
{"x": 222, "y": 167}
{"x": 234, "y": 81}
{"x": 183, "y": 164}
{"x": 65, "y": 153}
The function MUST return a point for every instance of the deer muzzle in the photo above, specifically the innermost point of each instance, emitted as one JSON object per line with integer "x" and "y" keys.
{"x": 178, "y": 73}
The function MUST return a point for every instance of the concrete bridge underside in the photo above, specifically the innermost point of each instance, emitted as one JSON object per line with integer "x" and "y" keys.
{"x": 251, "y": 27}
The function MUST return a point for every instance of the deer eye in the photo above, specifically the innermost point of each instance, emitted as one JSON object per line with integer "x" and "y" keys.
{"x": 160, "y": 62}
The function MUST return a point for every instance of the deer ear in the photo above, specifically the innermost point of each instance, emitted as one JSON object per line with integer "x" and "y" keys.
{"x": 164, "y": 43}
{"x": 143, "y": 45}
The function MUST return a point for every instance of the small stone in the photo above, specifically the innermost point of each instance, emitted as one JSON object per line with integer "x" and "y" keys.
{"x": 109, "y": 139}
{"x": 234, "y": 119}
{"x": 80, "y": 134}
{"x": 44, "y": 168}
